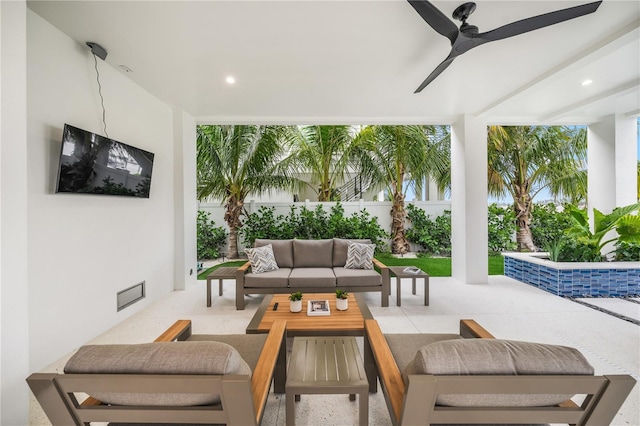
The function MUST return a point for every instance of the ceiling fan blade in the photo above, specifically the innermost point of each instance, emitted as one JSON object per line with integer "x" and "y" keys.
{"x": 540, "y": 21}
{"x": 436, "y": 19}
{"x": 443, "y": 66}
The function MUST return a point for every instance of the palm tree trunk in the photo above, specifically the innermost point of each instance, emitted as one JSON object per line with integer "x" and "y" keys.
{"x": 232, "y": 217}
{"x": 399, "y": 243}
{"x": 324, "y": 193}
{"x": 522, "y": 206}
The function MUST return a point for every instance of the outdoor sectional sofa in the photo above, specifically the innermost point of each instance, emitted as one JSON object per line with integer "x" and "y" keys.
{"x": 311, "y": 266}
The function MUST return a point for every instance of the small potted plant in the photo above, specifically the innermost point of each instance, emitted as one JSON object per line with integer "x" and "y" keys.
{"x": 342, "y": 303}
{"x": 295, "y": 302}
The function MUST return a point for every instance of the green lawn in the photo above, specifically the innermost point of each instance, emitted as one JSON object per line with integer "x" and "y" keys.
{"x": 434, "y": 266}
{"x": 440, "y": 266}
{"x": 203, "y": 275}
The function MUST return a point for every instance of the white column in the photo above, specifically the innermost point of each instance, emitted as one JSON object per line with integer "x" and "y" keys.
{"x": 469, "y": 229}
{"x": 626, "y": 138}
{"x": 186, "y": 204}
{"x": 612, "y": 158}
{"x": 601, "y": 166}
{"x": 14, "y": 306}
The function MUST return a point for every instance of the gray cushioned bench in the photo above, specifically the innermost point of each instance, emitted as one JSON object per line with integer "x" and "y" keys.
{"x": 311, "y": 266}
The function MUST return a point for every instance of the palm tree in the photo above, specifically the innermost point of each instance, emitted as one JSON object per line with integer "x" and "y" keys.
{"x": 325, "y": 152}
{"x": 524, "y": 160}
{"x": 233, "y": 161}
{"x": 401, "y": 157}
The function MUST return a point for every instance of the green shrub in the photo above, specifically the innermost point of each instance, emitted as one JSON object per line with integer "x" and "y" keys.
{"x": 548, "y": 225}
{"x": 627, "y": 251}
{"x": 572, "y": 250}
{"x": 313, "y": 224}
{"x": 210, "y": 238}
{"x": 502, "y": 228}
{"x": 433, "y": 235}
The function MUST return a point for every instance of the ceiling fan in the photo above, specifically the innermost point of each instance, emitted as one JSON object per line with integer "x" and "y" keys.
{"x": 468, "y": 37}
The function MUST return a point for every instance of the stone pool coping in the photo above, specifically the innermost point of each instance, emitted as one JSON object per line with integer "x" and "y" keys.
{"x": 541, "y": 258}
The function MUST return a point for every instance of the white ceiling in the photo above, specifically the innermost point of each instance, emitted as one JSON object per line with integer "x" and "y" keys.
{"x": 359, "y": 61}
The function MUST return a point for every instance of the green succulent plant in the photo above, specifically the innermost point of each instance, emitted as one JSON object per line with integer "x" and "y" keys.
{"x": 295, "y": 296}
{"x": 341, "y": 294}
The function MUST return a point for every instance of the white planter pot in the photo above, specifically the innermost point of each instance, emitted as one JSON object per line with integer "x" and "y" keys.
{"x": 295, "y": 305}
{"x": 342, "y": 304}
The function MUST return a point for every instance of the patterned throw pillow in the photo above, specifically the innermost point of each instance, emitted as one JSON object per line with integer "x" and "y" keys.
{"x": 360, "y": 256}
{"x": 262, "y": 259}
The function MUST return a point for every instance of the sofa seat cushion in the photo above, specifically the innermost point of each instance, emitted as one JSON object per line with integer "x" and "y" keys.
{"x": 311, "y": 277}
{"x": 210, "y": 358}
{"x": 340, "y": 247}
{"x": 278, "y": 278}
{"x": 356, "y": 277}
{"x": 499, "y": 357}
{"x": 282, "y": 251}
{"x": 312, "y": 253}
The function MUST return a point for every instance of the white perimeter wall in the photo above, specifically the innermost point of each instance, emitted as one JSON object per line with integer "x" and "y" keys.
{"x": 83, "y": 249}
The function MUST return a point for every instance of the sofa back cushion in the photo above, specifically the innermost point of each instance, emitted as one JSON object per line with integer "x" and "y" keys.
{"x": 282, "y": 250}
{"x": 312, "y": 253}
{"x": 499, "y": 357}
{"x": 211, "y": 358}
{"x": 340, "y": 247}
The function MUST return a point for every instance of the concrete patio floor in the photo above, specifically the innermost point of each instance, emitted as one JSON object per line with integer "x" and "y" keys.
{"x": 507, "y": 308}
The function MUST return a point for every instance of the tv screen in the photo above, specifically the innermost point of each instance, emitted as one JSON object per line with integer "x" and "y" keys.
{"x": 93, "y": 164}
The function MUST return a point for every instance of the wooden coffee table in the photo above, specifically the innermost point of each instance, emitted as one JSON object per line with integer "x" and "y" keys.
{"x": 339, "y": 323}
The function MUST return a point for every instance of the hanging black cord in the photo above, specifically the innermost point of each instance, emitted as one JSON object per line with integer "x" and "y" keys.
{"x": 104, "y": 112}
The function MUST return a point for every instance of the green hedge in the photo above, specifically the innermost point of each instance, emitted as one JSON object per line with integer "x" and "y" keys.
{"x": 313, "y": 224}
{"x": 210, "y": 238}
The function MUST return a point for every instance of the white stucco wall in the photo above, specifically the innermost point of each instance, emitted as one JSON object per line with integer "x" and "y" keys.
{"x": 14, "y": 309}
{"x": 83, "y": 249}
{"x": 185, "y": 205}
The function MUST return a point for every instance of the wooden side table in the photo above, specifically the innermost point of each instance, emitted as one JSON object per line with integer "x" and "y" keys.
{"x": 326, "y": 365}
{"x": 223, "y": 273}
{"x": 398, "y": 272}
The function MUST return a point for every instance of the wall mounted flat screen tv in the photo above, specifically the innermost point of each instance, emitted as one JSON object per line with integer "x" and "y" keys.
{"x": 93, "y": 164}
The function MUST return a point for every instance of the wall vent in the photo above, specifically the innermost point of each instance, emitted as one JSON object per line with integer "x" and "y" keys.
{"x": 131, "y": 295}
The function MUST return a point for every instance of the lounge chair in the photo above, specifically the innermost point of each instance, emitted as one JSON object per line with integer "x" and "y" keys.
{"x": 470, "y": 397}
{"x": 234, "y": 399}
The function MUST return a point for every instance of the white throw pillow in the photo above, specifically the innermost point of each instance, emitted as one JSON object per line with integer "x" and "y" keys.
{"x": 262, "y": 259}
{"x": 360, "y": 256}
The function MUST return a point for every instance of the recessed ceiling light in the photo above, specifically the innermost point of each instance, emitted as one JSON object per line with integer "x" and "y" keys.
{"x": 230, "y": 80}
{"x": 586, "y": 82}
